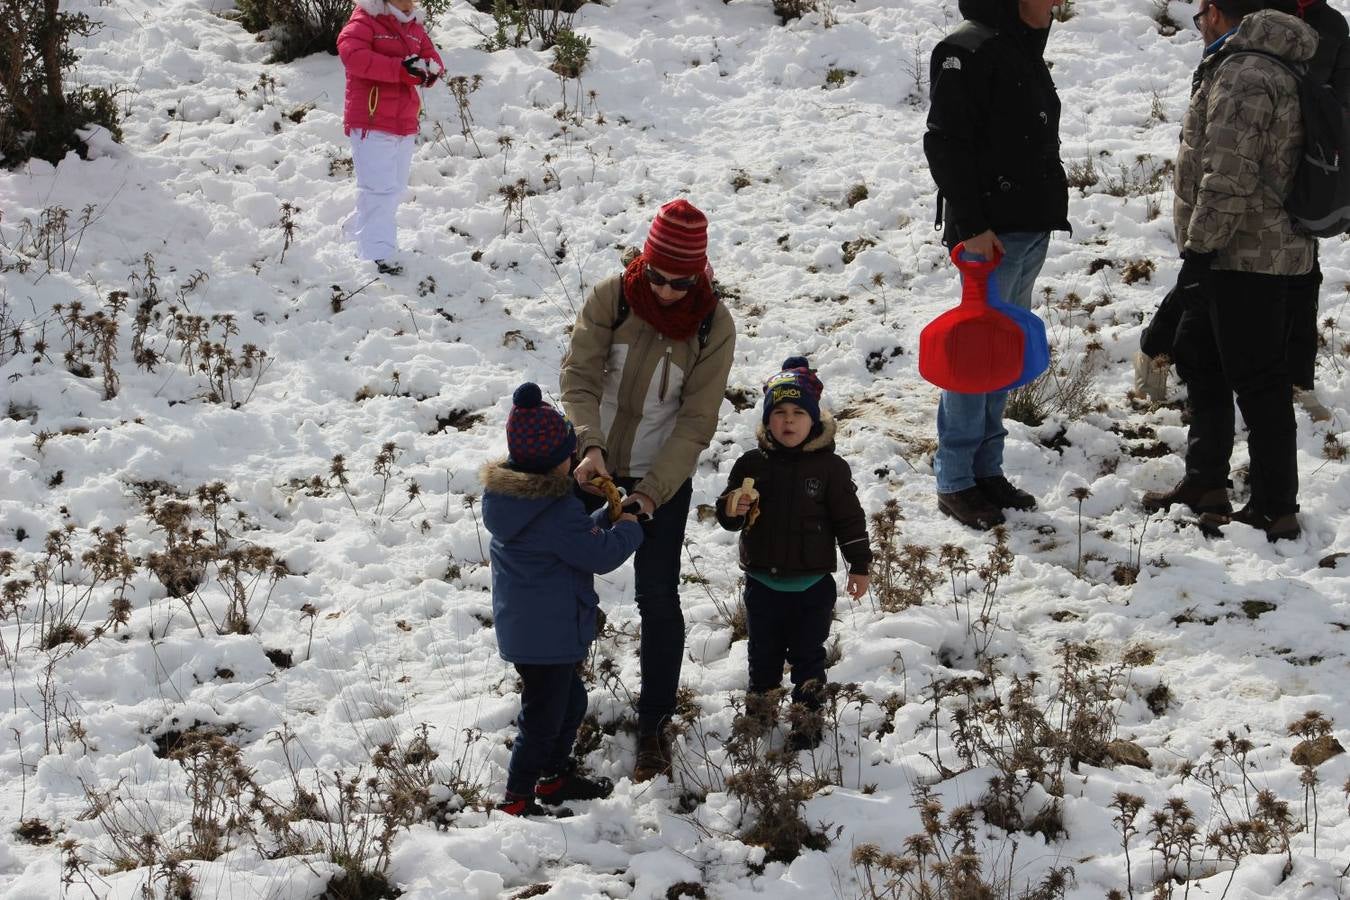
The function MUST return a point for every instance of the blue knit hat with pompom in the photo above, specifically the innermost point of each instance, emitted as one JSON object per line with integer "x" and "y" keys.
{"x": 538, "y": 437}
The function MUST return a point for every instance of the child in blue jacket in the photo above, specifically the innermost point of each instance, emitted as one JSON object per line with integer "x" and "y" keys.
{"x": 545, "y": 551}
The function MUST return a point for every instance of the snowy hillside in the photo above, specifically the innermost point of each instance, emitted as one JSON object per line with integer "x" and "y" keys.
{"x": 292, "y": 448}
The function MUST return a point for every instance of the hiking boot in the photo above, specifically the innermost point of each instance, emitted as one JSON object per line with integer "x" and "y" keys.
{"x": 1004, "y": 494}
{"x": 1283, "y": 527}
{"x": 1201, "y": 500}
{"x": 570, "y": 784}
{"x": 523, "y": 805}
{"x": 653, "y": 756}
{"x": 805, "y": 737}
{"x": 971, "y": 508}
{"x": 1311, "y": 405}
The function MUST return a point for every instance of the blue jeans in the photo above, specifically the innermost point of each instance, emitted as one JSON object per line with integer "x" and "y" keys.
{"x": 970, "y": 426}
{"x": 552, "y": 705}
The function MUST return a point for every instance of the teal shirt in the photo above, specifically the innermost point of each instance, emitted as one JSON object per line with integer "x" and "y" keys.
{"x": 792, "y": 584}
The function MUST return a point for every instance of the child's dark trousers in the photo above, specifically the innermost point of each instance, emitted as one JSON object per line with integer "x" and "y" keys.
{"x": 791, "y": 627}
{"x": 552, "y": 705}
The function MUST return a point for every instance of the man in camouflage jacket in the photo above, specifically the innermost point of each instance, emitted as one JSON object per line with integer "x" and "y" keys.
{"x": 1240, "y": 144}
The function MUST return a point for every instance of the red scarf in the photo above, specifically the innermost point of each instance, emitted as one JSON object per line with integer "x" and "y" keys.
{"x": 1303, "y": 6}
{"x": 680, "y": 320}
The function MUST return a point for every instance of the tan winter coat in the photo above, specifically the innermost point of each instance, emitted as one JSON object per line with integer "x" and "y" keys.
{"x": 1240, "y": 143}
{"x": 650, "y": 403}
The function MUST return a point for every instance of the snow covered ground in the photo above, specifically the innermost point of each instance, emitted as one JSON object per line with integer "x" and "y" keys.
{"x": 379, "y": 627}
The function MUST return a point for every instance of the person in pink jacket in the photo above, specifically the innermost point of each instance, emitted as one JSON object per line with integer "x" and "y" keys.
{"x": 388, "y": 57}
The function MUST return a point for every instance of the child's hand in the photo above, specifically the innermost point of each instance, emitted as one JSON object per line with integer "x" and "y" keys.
{"x": 743, "y": 504}
{"x": 414, "y": 69}
{"x": 857, "y": 586}
{"x": 627, "y": 517}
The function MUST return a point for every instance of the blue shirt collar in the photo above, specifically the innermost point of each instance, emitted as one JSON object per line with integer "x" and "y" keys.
{"x": 1219, "y": 42}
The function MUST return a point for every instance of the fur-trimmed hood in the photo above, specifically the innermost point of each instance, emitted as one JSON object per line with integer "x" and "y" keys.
{"x": 382, "y": 8}
{"x": 518, "y": 498}
{"x": 822, "y": 441}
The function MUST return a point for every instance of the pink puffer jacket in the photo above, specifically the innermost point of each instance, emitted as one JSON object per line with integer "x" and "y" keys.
{"x": 373, "y": 45}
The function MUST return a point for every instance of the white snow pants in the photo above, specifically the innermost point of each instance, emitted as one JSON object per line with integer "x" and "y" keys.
{"x": 381, "y": 161}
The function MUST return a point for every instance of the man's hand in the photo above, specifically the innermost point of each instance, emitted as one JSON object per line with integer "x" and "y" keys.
{"x": 985, "y": 244}
{"x": 1195, "y": 275}
{"x": 857, "y": 586}
{"x": 591, "y": 465}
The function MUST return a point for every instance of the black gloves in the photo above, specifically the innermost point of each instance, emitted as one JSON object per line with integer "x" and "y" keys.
{"x": 1194, "y": 278}
{"x": 415, "y": 68}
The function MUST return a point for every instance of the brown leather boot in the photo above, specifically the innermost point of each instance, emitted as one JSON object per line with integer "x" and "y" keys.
{"x": 1003, "y": 494}
{"x": 971, "y": 508}
{"x": 653, "y": 756}
{"x": 1277, "y": 528}
{"x": 1201, "y": 500}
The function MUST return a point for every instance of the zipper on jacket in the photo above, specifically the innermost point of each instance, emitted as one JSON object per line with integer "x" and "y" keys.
{"x": 665, "y": 375}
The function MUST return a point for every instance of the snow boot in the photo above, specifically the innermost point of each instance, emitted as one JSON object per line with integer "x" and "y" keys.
{"x": 653, "y": 756}
{"x": 522, "y": 805}
{"x": 570, "y": 784}
{"x": 1201, "y": 500}
{"x": 1277, "y": 528}
{"x": 1003, "y": 494}
{"x": 971, "y": 508}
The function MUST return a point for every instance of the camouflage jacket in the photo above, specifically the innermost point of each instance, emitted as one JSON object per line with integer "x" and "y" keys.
{"x": 1240, "y": 144}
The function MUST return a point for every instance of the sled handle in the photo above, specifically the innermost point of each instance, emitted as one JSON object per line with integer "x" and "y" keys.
{"x": 974, "y": 265}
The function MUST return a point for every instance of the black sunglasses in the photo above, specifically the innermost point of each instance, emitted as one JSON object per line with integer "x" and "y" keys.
{"x": 687, "y": 283}
{"x": 1195, "y": 19}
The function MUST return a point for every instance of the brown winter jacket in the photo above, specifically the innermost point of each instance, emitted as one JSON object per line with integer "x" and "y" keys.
{"x": 1240, "y": 143}
{"x": 649, "y": 402}
{"x": 807, "y": 503}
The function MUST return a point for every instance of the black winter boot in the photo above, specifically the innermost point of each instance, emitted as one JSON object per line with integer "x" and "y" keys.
{"x": 971, "y": 508}
{"x": 570, "y": 784}
{"x": 1004, "y": 494}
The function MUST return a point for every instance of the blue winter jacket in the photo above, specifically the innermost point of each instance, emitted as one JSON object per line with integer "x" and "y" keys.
{"x": 545, "y": 553}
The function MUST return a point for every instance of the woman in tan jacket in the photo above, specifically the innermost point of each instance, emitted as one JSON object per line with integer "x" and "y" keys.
{"x": 643, "y": 382}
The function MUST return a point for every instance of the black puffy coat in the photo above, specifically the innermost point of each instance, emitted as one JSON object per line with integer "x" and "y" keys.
{"x": 993, "y": 127}
{"x": 807, "y": 504}
{"x": 1331, "y": 63}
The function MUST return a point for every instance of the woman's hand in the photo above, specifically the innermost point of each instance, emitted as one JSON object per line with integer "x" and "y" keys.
{"x": 641, "y": 505}
{"x": 591, "y": 466}
{"x": 857, "y": 586}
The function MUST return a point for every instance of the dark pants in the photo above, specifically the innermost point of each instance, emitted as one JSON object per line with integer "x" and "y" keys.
{"x": 656, "y": 578}
{"x": 791, "y": 627}
{"x": 1302, "y": 324}
{"x": 552, "y": 705}
{"x": 1229, "y": 345}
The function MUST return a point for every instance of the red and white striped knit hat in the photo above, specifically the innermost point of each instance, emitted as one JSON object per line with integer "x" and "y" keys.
{"x": 678, "y": 240}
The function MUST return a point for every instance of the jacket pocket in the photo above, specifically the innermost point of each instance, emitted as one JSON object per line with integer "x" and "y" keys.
{"x": 817, "y": 545}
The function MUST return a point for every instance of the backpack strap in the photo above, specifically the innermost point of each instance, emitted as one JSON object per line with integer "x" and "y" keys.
{"x": 621, "y": 312}
{"x": 1298, "y": 70}
{"x": 705, "y": 329}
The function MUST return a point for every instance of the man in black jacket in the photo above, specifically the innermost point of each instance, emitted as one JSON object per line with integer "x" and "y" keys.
{"x": 1330, "y": 66}
{"x": 993, "y": 148}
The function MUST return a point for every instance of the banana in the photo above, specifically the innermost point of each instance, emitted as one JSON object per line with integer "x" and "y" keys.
{"x": 612, "y": 496}
{"x": 747, "y": 489}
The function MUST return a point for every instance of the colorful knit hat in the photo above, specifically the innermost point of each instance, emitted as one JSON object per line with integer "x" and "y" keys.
{"x": 677, "y": 242}
{"x": 798, "y": 384}
{"x": 538, "y": 437}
